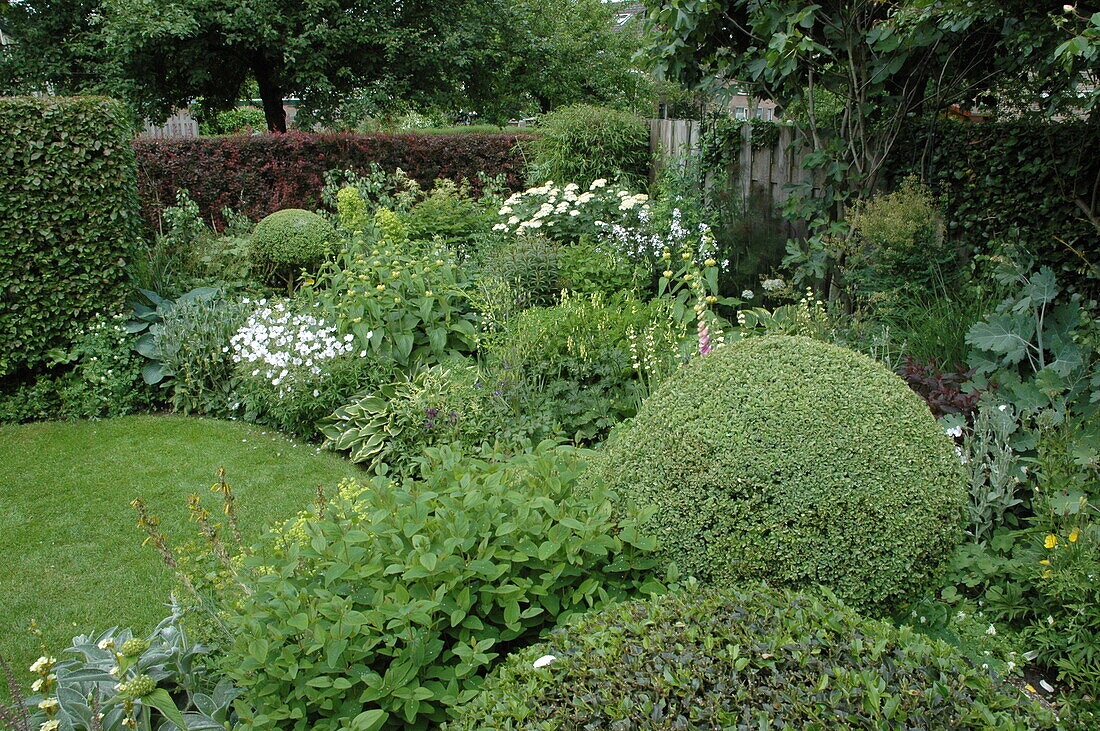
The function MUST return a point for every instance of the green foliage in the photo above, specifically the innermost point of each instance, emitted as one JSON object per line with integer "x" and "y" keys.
{"x": 1026, "y": 181}
{"x": 192, "y": 349}
{"x": 582, "y": 143}
{"x": 395, "y": 601}
{"x": 529, "y": 265}
{"x": 402, "y": 305}
{"x": 133, "y": 683}
{"x": 376, "y": 187}
{"x": 69, "y": 222}
{"x": 388, "y": 428}
{"x": 1039, "y": 347}
{"x": 587, "y": 268}
{"x": 898, "y": 247}
{"x": 449, "y": 215}
{"x": 794, "y": 461}
{"x": 235, "y": 121}
{"x": 584, "y": 365}
{"x": 746, "y": 658}
{"x": 994, "y": 468}
{"x": 1040, "y": 580}
{"x": 291, "y": 240}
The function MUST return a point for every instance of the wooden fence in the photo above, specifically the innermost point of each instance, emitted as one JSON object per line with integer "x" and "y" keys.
{"x": 754, "y": 171}
{"x": 180, "y": 124}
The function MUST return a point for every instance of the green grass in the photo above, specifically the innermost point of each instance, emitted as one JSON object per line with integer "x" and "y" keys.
{"x": 70, "y": 552}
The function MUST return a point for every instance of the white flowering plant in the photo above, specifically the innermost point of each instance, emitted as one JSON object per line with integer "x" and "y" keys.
{"x": 294, "y": 367}
{"x": 568, "y": 212}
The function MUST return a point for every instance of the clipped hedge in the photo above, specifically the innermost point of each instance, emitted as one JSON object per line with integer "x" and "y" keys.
{"x": 1016, "y": 181}
{"x": 261, "y": 174}
{"x": 68, "y": 220}
{"x": 752, "y": 658}
{"x": 796, "y": 462}
{"x": 291, "y": 239}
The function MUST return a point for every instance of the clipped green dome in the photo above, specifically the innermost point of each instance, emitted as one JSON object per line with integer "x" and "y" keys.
{"x": 752, "y": 658}
{"x": 793, "y": 461}
{"x": 292, "y": 238}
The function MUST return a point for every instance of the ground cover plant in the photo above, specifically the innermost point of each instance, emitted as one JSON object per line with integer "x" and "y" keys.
{"x": 748, "y": 657}
{"x": 73, "y": 556}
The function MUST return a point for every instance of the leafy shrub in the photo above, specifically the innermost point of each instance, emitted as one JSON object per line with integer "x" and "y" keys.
{"x": 235, "y": 121}
{"x": 69, "y": 222}
{"x": 794, "y": 461}
{"x": 292, "y": 368}
{"x": 1014, "y": 179}
{"x": 261, "y": 174}
{"x": 133, "y": 683}
{"x": 448, "y": 214}
{"x": 899, "y": 247}
{"x": 192, "y": 346}
{"x": 105, "y": 380}
{"x": 291, "y": 240}
{"x": 582, "y": 143}
{"x": 751, "y": 657}
{"x": 587, "y": 269}
{"x": 586, "y": 363}
{"x": 568, "y": 213}
{"x": 528, "y": 264}
{"x": 388, "y": 608}
{"x": 405, "y": 306}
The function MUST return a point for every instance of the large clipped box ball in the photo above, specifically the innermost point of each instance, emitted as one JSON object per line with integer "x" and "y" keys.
{"x": 796, "y": 462}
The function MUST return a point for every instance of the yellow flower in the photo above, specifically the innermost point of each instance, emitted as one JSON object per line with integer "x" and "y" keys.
{"x": 1046, "y": 574}
{"x": 667, "y": 273}
{"x": 1051, "y": 541}
{"x": 1044, "y": 562}
{"x": 1030, "y": 688}
{"x": 710, "y": 262}
{"x": 380, "y": 287}
{"x": 1073, "y": 534}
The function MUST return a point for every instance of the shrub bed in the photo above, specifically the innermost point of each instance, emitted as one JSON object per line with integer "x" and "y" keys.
{"x": 753, "y": 658}
{"x": 261, "y": 174}
{"x": 68, "y": 220}
{"x": 794, "y": 461}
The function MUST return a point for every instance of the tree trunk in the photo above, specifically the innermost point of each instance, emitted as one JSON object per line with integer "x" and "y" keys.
{"x": 271, "y": 94}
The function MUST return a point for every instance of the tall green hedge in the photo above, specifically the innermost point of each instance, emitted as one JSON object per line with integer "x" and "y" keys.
{"x": 1018, "y": 181}
{"x": 68, "y": 219}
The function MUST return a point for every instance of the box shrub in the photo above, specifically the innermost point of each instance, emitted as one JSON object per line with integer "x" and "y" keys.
{"x": 751, "y": 658}
{"x": 261, "y": 174}
{"x": 386, "y": 607}
{"x": 581, "y": 143}
{"x": 68, "y": 220}
{"x": 793, "y": 461}
{"x": 290, "y": 240}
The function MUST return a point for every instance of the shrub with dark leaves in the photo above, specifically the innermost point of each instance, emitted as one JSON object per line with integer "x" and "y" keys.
{"x": 945, "y": 391}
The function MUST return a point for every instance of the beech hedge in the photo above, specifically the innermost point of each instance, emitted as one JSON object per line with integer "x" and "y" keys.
{"x": 261, "y": 174}
{"x": 69, "y": 219}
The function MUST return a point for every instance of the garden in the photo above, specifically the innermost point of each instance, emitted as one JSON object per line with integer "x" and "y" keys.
{"x": 545, "y": 429}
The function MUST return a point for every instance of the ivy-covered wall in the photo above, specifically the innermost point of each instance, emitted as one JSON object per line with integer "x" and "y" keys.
{"x": 68, "y": 220}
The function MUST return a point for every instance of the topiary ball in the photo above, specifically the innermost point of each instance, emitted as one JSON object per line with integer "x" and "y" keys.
{"x": 754, "y": 658}
{"x": 793, "y": 461}
{"x": 292, "y": 239}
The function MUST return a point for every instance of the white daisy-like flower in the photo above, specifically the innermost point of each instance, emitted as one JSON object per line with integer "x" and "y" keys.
{"x": 544, "y": 661}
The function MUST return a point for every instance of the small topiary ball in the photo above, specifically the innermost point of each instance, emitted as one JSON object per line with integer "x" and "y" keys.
{"x": 754, "y": 658}
{"x": 793, "y": 461}
{"x": 292, "y": 239}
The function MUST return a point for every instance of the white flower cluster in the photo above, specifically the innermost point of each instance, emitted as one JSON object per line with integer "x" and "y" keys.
{"x": 643, "y": 243}
{"x": 560, "y": 203}
{"x": 281, "y": 343}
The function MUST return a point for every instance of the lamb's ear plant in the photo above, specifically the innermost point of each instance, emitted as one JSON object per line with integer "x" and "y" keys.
{"x": 117, "y": 681}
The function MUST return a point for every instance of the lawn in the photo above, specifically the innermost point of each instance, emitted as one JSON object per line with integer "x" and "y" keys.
{"x": 70, "y": 552}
